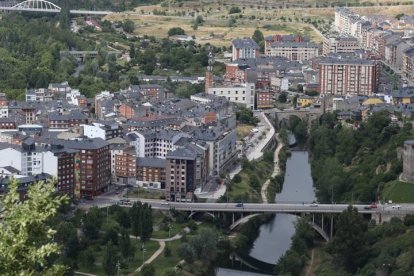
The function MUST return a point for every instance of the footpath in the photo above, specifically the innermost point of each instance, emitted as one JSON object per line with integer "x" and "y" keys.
{"x": 276, "y": 169}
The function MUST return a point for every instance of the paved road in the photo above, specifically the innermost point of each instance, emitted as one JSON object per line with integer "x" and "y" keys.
{"x": 269, "y": 207}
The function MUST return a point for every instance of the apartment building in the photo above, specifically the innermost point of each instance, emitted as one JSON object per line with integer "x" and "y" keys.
{"x": 241, "y": 93}
{"x": 408, "y": 64}
{"x": 65, "y": 120}
{"x": 151, "y": 172}
{"x": 340, "y": 44}
{"x": 264, "y": 99}
{"x": 125, "y": 166}
{"x": 345, "y": 76}
{"x": 93, "y": 167}
{"x": 269, "y": 40}
{"x": 244, "y": 48}
{"x": 102, "y": 129}
{"x": 180, "y": 175}
{"x": 297, "y": 51}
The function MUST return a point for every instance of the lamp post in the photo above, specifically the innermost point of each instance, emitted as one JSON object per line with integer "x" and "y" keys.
{"x": 143, "y": 253}
{"x": 118, "y": 266}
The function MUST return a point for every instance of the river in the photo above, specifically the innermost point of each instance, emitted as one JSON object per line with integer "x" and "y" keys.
{"x": 275, "y": 237}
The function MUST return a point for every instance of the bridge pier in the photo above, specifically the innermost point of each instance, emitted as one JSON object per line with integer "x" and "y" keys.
{"x": 233, "y": 219}
{"x": 331, "y": 232}
{"x": 322, "y": 224}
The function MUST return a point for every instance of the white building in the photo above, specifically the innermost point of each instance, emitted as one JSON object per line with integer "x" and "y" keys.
{"x": 155, "y": 144}
{"x": 29, "y": 162}
{"x": 4, "y": 111}
{"x": 94, "y": 130}
{"x": 241, "y": 94}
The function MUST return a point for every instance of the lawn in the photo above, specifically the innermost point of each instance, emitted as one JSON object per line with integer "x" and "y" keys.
{"x": 146, "y": 193}
{"x": 150, "y": 248}
{"x": 397, "y": 191}
{"x": 243, "y": 191}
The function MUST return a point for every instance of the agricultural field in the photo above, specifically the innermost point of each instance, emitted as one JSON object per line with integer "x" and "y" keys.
{"x": 220, "y": 26}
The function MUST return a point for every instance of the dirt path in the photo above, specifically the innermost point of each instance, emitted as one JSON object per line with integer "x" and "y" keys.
{"x": 309, "y": 271}
{"x": 276, "y": 169}
{"x": 152, "y": 258}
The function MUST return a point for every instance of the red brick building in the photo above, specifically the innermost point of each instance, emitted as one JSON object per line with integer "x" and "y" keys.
{"x": 126, "y": 111}
{"x": 264, "y": 99}
{"x": 93, "y": 166}
{"x": 151, "y": 172}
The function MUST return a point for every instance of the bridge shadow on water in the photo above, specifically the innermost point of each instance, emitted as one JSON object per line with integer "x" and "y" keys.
{"x": 247, "y": 262}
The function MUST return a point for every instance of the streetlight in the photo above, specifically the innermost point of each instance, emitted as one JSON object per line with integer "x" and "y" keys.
{"x": 118, "y": 266}
{"x": 143, "y": 253}
{"x": 169, "y": 230}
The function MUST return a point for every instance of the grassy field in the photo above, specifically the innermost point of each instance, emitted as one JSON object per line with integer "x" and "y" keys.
{"x": 162, "y": 263}
{"x": 146, "y": 193}
{"x": 268, "y": 16}
{"x": 243, "y": 130}
{"x": 243, "y": 191}
{"x": 397, "y": 191}
{"x": 99, "y": 251}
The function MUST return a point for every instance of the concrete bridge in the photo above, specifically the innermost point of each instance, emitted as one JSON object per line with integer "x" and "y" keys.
{"x": 82, "y": 55}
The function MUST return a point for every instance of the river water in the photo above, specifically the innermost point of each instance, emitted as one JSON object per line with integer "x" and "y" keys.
{"x": 275, "y": 237}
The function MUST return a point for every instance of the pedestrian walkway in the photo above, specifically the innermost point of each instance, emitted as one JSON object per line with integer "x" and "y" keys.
{"x": 276, "y": 169}
{"x": 153, "y": 257}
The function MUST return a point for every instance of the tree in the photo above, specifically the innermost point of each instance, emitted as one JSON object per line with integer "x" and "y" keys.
{"x": 26, "y": 240}
{"x": 128, "y": 26}
{"x": 282, "y": 97}
{"x": 176, "y": 31}
{"x": 146, "y": 230}
{"x": 87, "y": 258}
{"x": 259, "y": 39}
{"x": 289, "y": 264}
{"x": 186, "y": 252}
{"x": 110, "y": 259}
{"x": 167, "y": 251}
{"x": 204, "y": 244}
{"x": 199, "y": 20}
{"x": 350, "y": 242}
{"x": 127, "y": 249}
{"x": 148, "y": 270}
{"x": 234, "y": 9}
{"x": 135, "y": 215}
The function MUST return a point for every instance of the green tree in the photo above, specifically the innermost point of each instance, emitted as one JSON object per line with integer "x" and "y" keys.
{"x": 135, "y": 215}
{"x": 148, "y": 270}
{"x": 176, "y": 31}
{"x": 26, "y": 240}
{"x": 127, "y": 249}
{"x": 146, "y": 230}
{"x": 87, "y": 258}
{"x": 259, "y": 38}
{"x": 282, "y": 97}
{"x": 128, "y": 26}
{"x": 290, "y": 263}
{"x": 204, "y": 244}
{"x": 234, "y": 9}
{"x": 186, "y": 252}
{"x": 350, "y": 243}
{"x": 110, "y": 259}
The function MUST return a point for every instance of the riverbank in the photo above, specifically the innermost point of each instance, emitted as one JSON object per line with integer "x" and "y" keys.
{"x": 276, "y": 170}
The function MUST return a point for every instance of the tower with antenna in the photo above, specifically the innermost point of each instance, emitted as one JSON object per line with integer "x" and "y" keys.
{"x": 209, "y": 72}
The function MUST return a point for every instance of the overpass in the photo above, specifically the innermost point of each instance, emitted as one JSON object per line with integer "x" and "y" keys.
{"x": 45, "y": 7}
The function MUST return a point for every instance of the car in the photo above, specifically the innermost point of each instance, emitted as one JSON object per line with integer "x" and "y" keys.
{"x": 373, "y": 205}
{"x": 165, "y": 203}
{"x": 396, "y": 206}
{"x": 368, "y": 207}
{"x": 314, "y": 204}
{"x": 239, "y": 204}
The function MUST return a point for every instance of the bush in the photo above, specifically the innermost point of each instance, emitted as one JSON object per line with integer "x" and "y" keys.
{"x": 176, "y": 31}
{"x": 234, "y": 9}
{"x": 237, "y": 178}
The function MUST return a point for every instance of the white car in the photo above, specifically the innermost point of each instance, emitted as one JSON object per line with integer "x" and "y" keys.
{"x": 314, "y": 204}
{"x": 396, "y": 207}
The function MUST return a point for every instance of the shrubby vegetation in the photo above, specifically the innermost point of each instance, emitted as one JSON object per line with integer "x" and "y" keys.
{"x": 355, "y": 164}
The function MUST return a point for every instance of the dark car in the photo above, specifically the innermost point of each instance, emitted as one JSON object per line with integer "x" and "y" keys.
{"x": 239, "y": 204}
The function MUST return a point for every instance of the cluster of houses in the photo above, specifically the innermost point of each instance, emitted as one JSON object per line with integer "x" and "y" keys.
{"x": 140, "y": 136}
